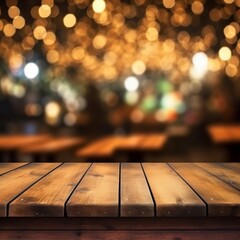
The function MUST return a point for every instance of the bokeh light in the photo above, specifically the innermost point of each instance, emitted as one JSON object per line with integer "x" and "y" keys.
{"x": 131, "y": 84}
{"x": 31, "y": 70}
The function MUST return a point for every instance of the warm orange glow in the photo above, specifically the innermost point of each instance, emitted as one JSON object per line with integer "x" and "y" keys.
{"x": 69, "y": 20}
{"x": 225, "y": 53}
{"x": 13, "y": 11}
{"x": 44, "y": 11}
{"x": 39, "y": 32}
{"x": 9, "y": 30}
{"x": 18, "y": 22}
{"x": 98, "y": 6}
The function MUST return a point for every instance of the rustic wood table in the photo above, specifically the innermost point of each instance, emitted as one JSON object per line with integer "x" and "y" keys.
{"x": 10, "y": 144}
{"x": 136, "y": 143}
{"x": 227, "y": 136}
{"x": 224, "y": 133}
{"x": 119, "y": 200}
{"x": 51, "y": 147}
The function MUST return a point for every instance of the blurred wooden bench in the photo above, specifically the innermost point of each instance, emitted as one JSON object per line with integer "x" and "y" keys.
{"x": 224, "y": 133}
{"x": 227, "y": 136}
{"x": 111, "y": 199}
{"x": 10, "y": 144}
{"x": 137, "y": 144}
{"x": 52, "y": 149}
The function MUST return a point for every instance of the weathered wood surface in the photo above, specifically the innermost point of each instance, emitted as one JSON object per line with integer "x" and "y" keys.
{"x": 121, "y": 190}
{"x": 229, "y": 175}
{"x": 173, "y": 197}
{"x": 123, "y": 234}
{"x": 222, "y": 199}
{"x": 14, "y": 183}
{"x": 48, "y": 196}
{"x": 98, "y": 192}
{"x": 136, "y": 200}
{"x": 6, "y": 167}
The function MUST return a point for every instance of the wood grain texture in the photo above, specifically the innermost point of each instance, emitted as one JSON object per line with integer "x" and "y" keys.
{"x": 115, "y": 235}
{"x": 47, "y": 197}
{"x": 120, "y": 223}
{"x": 136, "y": 200}
{"x": 228, "y": 175}
{"x": 173, "y": 197}
{"x": 221, "y": 198}
{"x": 97, "y": 194}
{"x": 14, "y": 183}
{"x": 6, "y": 167}
{"x": 53, "y": 145}
{"x": 103, "y": 147}
{"x": 232, "y": 165}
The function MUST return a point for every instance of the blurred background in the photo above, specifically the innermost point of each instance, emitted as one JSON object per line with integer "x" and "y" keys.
{"x": 95, "y": 68}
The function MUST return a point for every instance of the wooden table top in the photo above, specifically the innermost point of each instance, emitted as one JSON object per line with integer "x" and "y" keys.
{"x": 52, "y": 145}
{"x": 105, "y": 147}
{"x": 120, "y": 189}
{"x": 224, "y": 133}
{"x": 15, "y": 142}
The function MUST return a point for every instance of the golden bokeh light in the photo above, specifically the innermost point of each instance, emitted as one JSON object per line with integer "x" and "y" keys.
{"x": 229, "y": 31}
{"x": 99, "y": 41}
{"x": 98, "y": 6}
{"x": 49, "y": 38}
{"x": 168, "y": 3}
{"x": 78, "y": 53}
{"x": 69, "y": 20}
{"x": 138, "y": 67}
{"x": 231, "y": 70}
{"x": 39, "y": 32}
{"x": 52, "y": 56}
{"x": 225, "y": 53}
{"x": 19, "y": 22}
{"x": 197, "y": 7}
{"x": 9, "y": 30}
{"x": 13, "y": 11}
{"x": 44, "y": 11}
{"x": 152, "y": 34}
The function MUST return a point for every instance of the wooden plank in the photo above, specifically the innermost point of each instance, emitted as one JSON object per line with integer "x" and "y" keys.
{"x": 14, "y": 183}
{"x": 232, "y": 165}
{"x": 221, "y": 198}
{"x": 226, "y": 174}
{"x": 120, "y": 223}
{"x": 104, "y": 147}
{"x": 6, "y": 167}
{"x": 173, "y": 197}
{"x": 97, "y": 194}
{"x": 47, "y": 197}
{"x": 136, "y": 200}
{"x": 53, "y": 145}
{"x": 119, "y": 235}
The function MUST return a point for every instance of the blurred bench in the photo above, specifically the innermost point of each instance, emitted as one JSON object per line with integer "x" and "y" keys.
{"x": 124, "y": 148}
{"x": 53, "y": 149}
{"x": 227, "y": 136}
{"x": 10, "y": 144}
